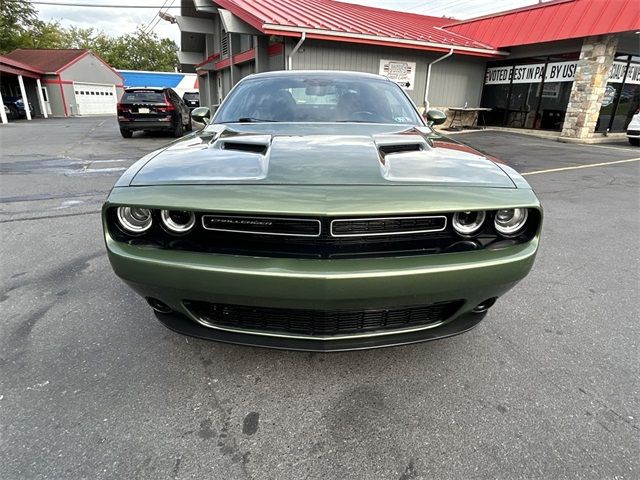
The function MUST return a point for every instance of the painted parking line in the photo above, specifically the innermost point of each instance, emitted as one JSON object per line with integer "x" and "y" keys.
{"x": 578, "y": 167}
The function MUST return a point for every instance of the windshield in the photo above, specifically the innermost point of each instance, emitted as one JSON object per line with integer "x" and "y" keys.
{"x": 143, "y": 96}
{"x": 317, "y": 98}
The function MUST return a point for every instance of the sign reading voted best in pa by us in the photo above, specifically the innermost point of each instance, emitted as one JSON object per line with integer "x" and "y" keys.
{"x": 557, "y": 72}
{"x": 403, "y": 73}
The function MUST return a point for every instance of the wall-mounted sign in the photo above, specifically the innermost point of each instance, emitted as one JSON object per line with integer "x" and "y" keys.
{"x": 532, "y": 73}
{"x": 403, "y": 73}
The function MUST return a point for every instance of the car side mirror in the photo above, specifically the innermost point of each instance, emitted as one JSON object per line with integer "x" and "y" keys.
{"x": 201, "y": 115}
{"x": 435, "y": 117}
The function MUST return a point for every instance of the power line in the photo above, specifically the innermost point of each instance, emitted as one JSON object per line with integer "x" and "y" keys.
{"x": 159, "y": 14}
{"x": 154, "y": 17}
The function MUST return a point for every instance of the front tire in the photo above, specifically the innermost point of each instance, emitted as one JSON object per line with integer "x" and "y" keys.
{"x": 126, "y": 133}
{"x": 635, "y": 142}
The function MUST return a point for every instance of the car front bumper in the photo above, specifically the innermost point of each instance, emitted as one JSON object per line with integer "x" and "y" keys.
{"x": 174, "y": 277}
{"x": 633, "y": 133}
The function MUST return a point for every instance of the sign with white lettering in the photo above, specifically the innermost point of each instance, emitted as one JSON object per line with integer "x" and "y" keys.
{"x": 403, "y": 73}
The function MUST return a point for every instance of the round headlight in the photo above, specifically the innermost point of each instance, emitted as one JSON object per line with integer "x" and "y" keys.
{"x": 178, "y": 221}
{"x": 509, "y": 221}
{"x": 468, "y": 223}
{"x": 134, "y": 219}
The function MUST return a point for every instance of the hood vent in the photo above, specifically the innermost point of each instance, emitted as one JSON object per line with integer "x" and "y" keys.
{"x": 400, "y": 148}
{"x": 245, "y": 147}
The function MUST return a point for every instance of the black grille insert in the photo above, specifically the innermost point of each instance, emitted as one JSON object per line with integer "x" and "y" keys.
{"x": 296, "y": 227}
{"x": 387, "y": 226}
{"x": 321, "y": 322}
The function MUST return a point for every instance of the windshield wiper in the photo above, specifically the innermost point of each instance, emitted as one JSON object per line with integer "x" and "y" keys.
{"x": 354, "y": 121}
{"x": 253, "y": 119}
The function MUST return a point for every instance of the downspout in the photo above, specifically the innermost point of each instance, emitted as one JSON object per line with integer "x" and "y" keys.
{"x": 295, "y": 50}
{"x": 426, "y": 90}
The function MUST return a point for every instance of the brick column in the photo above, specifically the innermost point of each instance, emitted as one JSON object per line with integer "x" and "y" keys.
{"x": 592, "y": 71}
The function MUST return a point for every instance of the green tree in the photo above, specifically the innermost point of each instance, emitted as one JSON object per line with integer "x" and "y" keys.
{"x": 16, "y": 20}
{"x": 142, "y": 51}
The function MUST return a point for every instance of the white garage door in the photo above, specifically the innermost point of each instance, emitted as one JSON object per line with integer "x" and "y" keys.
{"x": 95, "y": 99}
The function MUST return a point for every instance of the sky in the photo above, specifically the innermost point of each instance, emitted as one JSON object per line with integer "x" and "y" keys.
{"x": 115, "y": 21}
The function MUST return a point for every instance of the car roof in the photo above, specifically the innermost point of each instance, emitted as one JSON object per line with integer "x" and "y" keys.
{"x": 145, "y": 89}
{"x": 317, "y": 73}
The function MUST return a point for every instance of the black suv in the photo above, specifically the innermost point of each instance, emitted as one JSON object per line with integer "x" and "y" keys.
{"x": 192, "y": 99}
{"x": 152, "y": 109}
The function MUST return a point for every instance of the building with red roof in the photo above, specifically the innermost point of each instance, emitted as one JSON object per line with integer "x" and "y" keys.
{"x": 564, "y": 65}
{"x": 59, "y": 82}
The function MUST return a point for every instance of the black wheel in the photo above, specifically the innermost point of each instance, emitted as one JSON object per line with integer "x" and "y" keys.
{"x": 179, "y": 130}
{"x": 126, "y": 133}
{"x": 13, "y": 112}
{"x": 635, "y": 142}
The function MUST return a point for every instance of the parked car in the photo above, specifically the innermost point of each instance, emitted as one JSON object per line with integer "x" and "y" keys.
{"x": 319, "y": 211}
{"x": 192, "y": 99}
{"x": 152, "y": 109}
{"x": 633, "y": 129}
{"x": 16, "y": 106}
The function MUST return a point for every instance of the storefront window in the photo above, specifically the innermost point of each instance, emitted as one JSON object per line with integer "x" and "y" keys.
{"x": 621, "y": 96}
{"x": 531, "y": 93}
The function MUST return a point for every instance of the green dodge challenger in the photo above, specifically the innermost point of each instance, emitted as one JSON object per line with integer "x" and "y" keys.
{"x": 319, "y": 211}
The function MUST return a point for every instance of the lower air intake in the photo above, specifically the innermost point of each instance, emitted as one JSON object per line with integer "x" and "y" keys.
{"x": 320, "y": 322}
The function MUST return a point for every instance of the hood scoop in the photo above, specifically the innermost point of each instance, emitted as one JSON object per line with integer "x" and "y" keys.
{"x": 399, "y": 148}
{"x": 390, "y": 145}
{"x": 240, "y": 146}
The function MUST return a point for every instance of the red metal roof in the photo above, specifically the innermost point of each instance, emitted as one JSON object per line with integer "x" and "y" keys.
{"x": 14, "y": 67}
{"x": 329, "y": 19}
{"x": 47, "y": 60}
{"x": 551, "y": 21}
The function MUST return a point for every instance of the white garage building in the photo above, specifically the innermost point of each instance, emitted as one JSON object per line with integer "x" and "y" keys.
{"x": 74, "y": 82}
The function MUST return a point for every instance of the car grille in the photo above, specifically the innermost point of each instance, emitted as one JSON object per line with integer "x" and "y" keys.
{"x": 322, "y": 237}
{"x": 387, "y": 226}
{"x": 296, "y": 227}
{"x": 633, "y": 133}
{"x": 320, "y": 322}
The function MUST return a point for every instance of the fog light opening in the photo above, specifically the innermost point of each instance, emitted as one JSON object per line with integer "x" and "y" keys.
{"x": 485, "y": 305}
{"x": 158, "y": 306}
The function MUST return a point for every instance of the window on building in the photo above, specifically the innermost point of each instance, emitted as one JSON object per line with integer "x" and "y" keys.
{"x": 529, "y": 93}
{"x": 621, "y": 96}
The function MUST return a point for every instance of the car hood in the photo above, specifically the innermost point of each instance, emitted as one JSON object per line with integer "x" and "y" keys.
{"x": 319, "y": 154}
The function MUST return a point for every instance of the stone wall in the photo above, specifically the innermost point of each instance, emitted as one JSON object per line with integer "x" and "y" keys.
{"x": 592, "y": 71}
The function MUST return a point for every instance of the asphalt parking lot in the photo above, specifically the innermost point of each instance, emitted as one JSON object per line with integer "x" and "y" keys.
{"x": 92, "y": 386}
